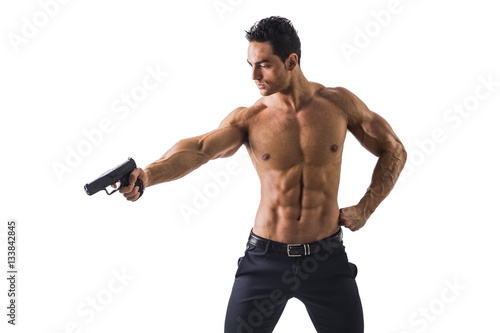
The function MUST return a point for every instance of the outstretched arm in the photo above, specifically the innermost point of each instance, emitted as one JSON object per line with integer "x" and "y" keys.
{"x": 189, "y": 154}
{"x": 377, "y": 136}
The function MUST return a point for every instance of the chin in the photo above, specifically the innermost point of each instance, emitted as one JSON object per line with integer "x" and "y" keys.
{"x": 266, "y": 92}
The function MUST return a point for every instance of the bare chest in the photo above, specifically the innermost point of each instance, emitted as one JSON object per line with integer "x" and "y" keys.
{"x": 315, "y": 135}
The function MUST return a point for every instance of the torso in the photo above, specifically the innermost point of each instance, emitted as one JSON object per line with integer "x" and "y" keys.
{"x": 297, "y": 155}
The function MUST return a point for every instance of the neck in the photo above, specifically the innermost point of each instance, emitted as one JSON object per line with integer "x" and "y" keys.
{"x": 298, "y": 93}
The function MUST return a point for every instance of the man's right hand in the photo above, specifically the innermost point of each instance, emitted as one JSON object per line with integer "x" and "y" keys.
{"x": 131, "y": 192}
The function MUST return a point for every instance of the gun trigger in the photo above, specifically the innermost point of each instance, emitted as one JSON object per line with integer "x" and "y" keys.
{"x": 109, "y": 193}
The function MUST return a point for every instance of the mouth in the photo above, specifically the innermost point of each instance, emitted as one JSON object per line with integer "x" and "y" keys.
{"x": 261, "y": 86}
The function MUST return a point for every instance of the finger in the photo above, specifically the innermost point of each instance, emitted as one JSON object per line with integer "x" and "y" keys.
{"x": 134, "y": 175}
{"x": 355, "y": 227}
{"x": 134, "y": 198}
{"x": 349, "y": 225}
{"x": 131, "y": 195}
{"x": 136, "y": 195}
{"x": 343, "y": 214}
{"x": 342, "y": 220}
{"x": 126, "y": 189}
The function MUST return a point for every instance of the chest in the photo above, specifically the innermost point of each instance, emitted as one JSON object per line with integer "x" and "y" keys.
{"x": 314, "y": 135}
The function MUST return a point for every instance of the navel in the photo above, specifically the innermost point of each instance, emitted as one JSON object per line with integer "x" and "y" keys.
{"x": 265, "y": 157}
{"x": 334, "y": 148}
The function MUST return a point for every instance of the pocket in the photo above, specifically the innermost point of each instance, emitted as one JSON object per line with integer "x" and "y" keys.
{"x": 353, "y": 269}
{"x": 241, "y": 260}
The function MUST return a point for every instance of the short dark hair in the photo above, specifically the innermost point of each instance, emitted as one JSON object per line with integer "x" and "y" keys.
{"x": 280, "y": 32}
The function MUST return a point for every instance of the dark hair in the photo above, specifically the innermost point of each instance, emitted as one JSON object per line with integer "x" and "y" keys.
{"x": 279, "y": 32}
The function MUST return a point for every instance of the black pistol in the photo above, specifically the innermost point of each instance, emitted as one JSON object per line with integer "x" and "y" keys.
{"x": 119, "y": 174}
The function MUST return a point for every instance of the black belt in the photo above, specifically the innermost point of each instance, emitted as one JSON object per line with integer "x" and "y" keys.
{"x": 297, "y": 250}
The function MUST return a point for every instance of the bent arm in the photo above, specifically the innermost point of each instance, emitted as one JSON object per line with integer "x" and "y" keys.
{"x": 189, "y": 154}
{"x": 377, "y": 136}
{"x": 391, "y": 160}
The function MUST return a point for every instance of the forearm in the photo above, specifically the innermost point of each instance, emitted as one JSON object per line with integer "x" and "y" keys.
{"x": 181, "y": 159}
{"x": 387, "y": 171}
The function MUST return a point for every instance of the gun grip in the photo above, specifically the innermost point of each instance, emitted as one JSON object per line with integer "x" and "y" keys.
{"x": 139, "y": 183}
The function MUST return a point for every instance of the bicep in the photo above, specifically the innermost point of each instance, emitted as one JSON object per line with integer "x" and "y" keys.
{"x": 223, "y": 141}
{"x": 374, "y": 133}
{"x": 370, "y": 129}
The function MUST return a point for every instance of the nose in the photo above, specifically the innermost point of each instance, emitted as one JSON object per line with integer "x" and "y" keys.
{"x": 256, "y": 73}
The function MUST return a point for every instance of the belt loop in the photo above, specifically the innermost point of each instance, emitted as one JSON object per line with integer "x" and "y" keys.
{"x": 267, "y": 246}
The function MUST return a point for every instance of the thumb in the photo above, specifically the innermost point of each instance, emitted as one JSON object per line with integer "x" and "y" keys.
{"x": 133, "y": 177}
{"x": 342, "y": 218}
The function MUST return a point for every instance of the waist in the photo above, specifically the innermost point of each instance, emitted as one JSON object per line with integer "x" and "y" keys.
{"x": 296, "y": 225}
{"x": 297, "y": 250}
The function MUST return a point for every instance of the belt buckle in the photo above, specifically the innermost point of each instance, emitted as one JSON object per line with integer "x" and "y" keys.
{"x": 307, "y": 250}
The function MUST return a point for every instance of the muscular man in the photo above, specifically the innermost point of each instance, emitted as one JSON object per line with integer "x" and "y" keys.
{"x": 295, "y": 137}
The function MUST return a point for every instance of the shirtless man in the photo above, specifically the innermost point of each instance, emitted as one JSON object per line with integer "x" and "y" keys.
{"x": 294, "y": 135}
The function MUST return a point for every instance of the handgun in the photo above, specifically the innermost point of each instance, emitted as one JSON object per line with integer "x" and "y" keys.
{"x": 121, "y": 174}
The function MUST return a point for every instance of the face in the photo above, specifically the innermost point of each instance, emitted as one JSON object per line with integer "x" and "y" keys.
{"x": 268, "y": 71}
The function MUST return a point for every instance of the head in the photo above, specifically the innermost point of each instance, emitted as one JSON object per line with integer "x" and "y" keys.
{"x": 274, "y": 53}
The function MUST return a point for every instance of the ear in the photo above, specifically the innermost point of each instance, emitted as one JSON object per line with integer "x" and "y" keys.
{"x": 293, "y": 61}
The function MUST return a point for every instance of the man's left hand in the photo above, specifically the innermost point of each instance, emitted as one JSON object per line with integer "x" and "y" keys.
{"x": 352, "y": 218}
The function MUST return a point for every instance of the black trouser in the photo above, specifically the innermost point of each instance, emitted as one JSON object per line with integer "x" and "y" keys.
{"x": 323, "y": 280}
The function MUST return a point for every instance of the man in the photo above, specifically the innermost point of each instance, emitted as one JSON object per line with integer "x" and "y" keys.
{"x": 294, "y": 135}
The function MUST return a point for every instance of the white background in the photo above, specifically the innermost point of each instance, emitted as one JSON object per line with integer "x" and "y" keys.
{"x": 439, "y": 227}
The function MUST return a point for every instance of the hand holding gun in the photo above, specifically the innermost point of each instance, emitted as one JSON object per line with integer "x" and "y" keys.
{"x": 126, "y": 174}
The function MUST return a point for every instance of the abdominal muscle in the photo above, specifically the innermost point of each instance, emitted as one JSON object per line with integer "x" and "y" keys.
{"x": 298, "y": 205}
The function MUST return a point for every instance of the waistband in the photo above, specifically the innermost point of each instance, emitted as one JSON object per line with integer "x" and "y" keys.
{"x": 297, "y": 250}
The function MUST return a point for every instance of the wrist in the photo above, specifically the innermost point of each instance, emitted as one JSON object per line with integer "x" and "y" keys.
{"x": 367, "y": 206}
{"x": 147, "y": 178}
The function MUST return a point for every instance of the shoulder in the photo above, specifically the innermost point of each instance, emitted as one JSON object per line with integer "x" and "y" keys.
{"x": 338, "y": 95}
{"x": 352, "y": 107}
{"x": 241, "y": 116}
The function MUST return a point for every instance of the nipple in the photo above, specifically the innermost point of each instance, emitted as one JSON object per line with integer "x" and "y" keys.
{"x": 265, "y": 157}
{"x": 334, "y": 148}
